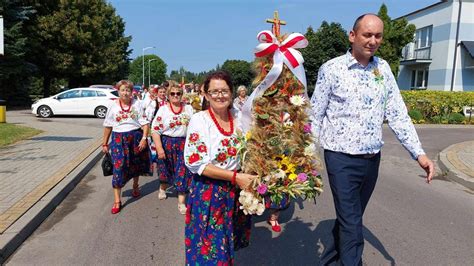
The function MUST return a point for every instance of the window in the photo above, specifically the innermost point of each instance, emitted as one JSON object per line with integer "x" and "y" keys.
{"x": 101, "y": 94}
{"x": 419, "y": 78}
{"x": 70, "y": 94}
{"x": 423, "y": 37}
{"x": 88, "y": 93}
{"x": 115, "y": 93}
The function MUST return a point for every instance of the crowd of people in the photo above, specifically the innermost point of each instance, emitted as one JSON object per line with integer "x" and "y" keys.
{"x": 195, "y": 150}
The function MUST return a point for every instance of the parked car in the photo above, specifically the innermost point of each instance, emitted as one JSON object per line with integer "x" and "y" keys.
{"x": 102, "y": 86}
{"x": 138, "y": 88}
{"x": 78, "y": 101}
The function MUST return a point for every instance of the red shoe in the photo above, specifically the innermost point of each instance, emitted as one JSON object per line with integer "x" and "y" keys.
{"x": 116, "y": 210}
{"x": 135, "y": 192}
{"x": 276, "y": 227}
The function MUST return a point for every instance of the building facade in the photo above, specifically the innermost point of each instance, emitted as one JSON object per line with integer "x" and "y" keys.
{"x": 441, "y": 57}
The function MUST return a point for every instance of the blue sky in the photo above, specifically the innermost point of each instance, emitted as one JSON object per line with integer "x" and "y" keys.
{"x": 200, "y": 34}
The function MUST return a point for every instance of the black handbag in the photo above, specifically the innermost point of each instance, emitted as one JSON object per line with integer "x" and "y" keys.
{"x": 107, "y": 166}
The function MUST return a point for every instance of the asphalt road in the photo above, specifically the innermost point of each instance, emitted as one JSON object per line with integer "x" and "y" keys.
{"x": 407, "y": 221}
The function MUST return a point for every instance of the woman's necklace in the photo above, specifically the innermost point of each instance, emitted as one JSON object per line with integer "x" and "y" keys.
{"x": 180, "y": 109}
{"x": 129, "y": 106}
{"x": 231, "y": 121}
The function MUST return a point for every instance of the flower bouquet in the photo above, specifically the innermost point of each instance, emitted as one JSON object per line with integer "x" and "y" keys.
{"x": 278, "y": 144}
{"x": 193, "y": 99}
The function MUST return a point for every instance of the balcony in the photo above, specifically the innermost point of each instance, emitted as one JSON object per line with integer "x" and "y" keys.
{"x": 412, "y": 55}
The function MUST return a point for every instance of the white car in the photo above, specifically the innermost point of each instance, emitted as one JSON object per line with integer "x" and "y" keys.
{"x": 78, "y": 101}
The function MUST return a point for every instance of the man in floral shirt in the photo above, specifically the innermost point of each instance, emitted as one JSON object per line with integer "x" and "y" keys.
{"x": 354, "y": 93}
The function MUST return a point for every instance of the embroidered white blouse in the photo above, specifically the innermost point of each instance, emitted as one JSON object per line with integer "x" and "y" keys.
{"x": 350, "y": 102}
{"x": 169, "y": 124}
{"x": 149, "y": 107}
{"x": 122, "y": 121}
{"x": 206, "y": 145}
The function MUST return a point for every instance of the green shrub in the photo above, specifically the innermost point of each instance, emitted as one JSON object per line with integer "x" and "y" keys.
{"x": 456, "y": 118}
{"x": 415, "y": 115}
{"x": 438, "y": 106}
{"x": 436, "y": 119}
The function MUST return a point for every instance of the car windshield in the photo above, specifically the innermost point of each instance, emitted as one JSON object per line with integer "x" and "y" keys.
{"x": 88, "y": 93}
{"x": 115, "y": 93}
{"x": 70, "y": 94}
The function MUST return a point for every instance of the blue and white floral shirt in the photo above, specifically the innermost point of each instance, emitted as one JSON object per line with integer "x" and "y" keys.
{"x": 349, "y": 105}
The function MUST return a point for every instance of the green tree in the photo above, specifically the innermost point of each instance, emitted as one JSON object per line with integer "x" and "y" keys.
{"x": 46, "y": 73}
{"x": 240, "y": 71}
{"x": 329, "y": 41}
{"x": 201, "y": 76}
{"x": 14, "y": 67}
{"x": 396, "y": 34}
{"x": 178, "y": 75}
{"x": 82, "y": 41}
{"x": 157, "y": 70}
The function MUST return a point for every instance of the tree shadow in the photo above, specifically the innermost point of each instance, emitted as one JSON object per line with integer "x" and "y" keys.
{"x": 60, "y": 138}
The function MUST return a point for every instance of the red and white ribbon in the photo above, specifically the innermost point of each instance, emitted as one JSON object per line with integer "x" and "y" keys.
{"x": 283, "y": 53}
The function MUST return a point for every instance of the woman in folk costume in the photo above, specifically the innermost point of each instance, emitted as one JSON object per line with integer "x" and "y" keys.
{"x": 128, "y": 126}
{"x": 161, "y": 96}
{"x": 215, "y": 226}
{"x": 241, "y": 97}
{"x": 151, "y": 106}
{"x": 168, "y": 132}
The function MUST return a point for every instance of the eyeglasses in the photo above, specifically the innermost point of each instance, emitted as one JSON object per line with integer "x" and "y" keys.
{"x": 176, "y": 93}
{"x": 214, "y": 94}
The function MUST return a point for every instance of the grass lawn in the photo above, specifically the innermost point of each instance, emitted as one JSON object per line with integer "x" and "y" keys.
{"x": 10, "y": 133}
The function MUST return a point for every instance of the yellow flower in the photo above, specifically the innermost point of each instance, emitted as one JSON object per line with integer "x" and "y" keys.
{"x": 292, "y": 177}
{"x": 285, "y": 164}
{"x": 248, "y": 135}
{"x": 285, "y": 160}
{"x": 291, "y": 167}
{"x": 376, "y": 72}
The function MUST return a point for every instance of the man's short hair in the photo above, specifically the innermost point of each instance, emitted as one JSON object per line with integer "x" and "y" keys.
{"x": 357, "y": 21}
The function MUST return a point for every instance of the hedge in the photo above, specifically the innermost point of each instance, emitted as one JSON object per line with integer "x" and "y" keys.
{"x": 438, "y": 106}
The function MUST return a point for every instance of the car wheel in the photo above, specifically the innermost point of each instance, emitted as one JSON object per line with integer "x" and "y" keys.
{"x": 100, "y": 111}
{"x": 44, "y": 111}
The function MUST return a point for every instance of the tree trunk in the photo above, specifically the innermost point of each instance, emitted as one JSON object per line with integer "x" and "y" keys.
{"x": 75, "y": 82}
{"x": 46, "y": 86}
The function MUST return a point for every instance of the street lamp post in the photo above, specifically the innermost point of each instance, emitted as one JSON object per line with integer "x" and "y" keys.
{"x": 150, "y": 60}
{"x": 143, "y": 62}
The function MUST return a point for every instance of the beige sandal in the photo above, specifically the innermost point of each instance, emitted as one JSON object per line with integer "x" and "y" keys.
{"x": 182, "y": 208}
{"x": 162, "y": 194}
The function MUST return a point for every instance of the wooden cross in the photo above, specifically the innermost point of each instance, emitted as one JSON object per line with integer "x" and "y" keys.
{"x": 276, "y": 23}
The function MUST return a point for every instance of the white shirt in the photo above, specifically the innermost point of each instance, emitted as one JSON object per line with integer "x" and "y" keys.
{"x": 350, "y": 102}
{"x": 206, "y": 145}
{"x": 122, "y": 121}
{"x": 146, "y": 96}
{"x": 169, "y": 124}
{"x": 149, "y": 107}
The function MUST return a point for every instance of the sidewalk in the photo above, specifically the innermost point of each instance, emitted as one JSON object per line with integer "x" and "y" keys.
{"x": 457, "y": 162}
{"x": 36, "y": 174}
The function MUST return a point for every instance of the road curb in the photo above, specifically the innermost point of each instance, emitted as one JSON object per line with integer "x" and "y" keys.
{"x": 452, "y": 166}
{"x": 18, "y": 232}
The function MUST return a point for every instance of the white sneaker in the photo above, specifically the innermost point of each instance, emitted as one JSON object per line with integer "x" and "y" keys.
{"x": 162, "y": 194}
{"x": 182, "y": 208}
